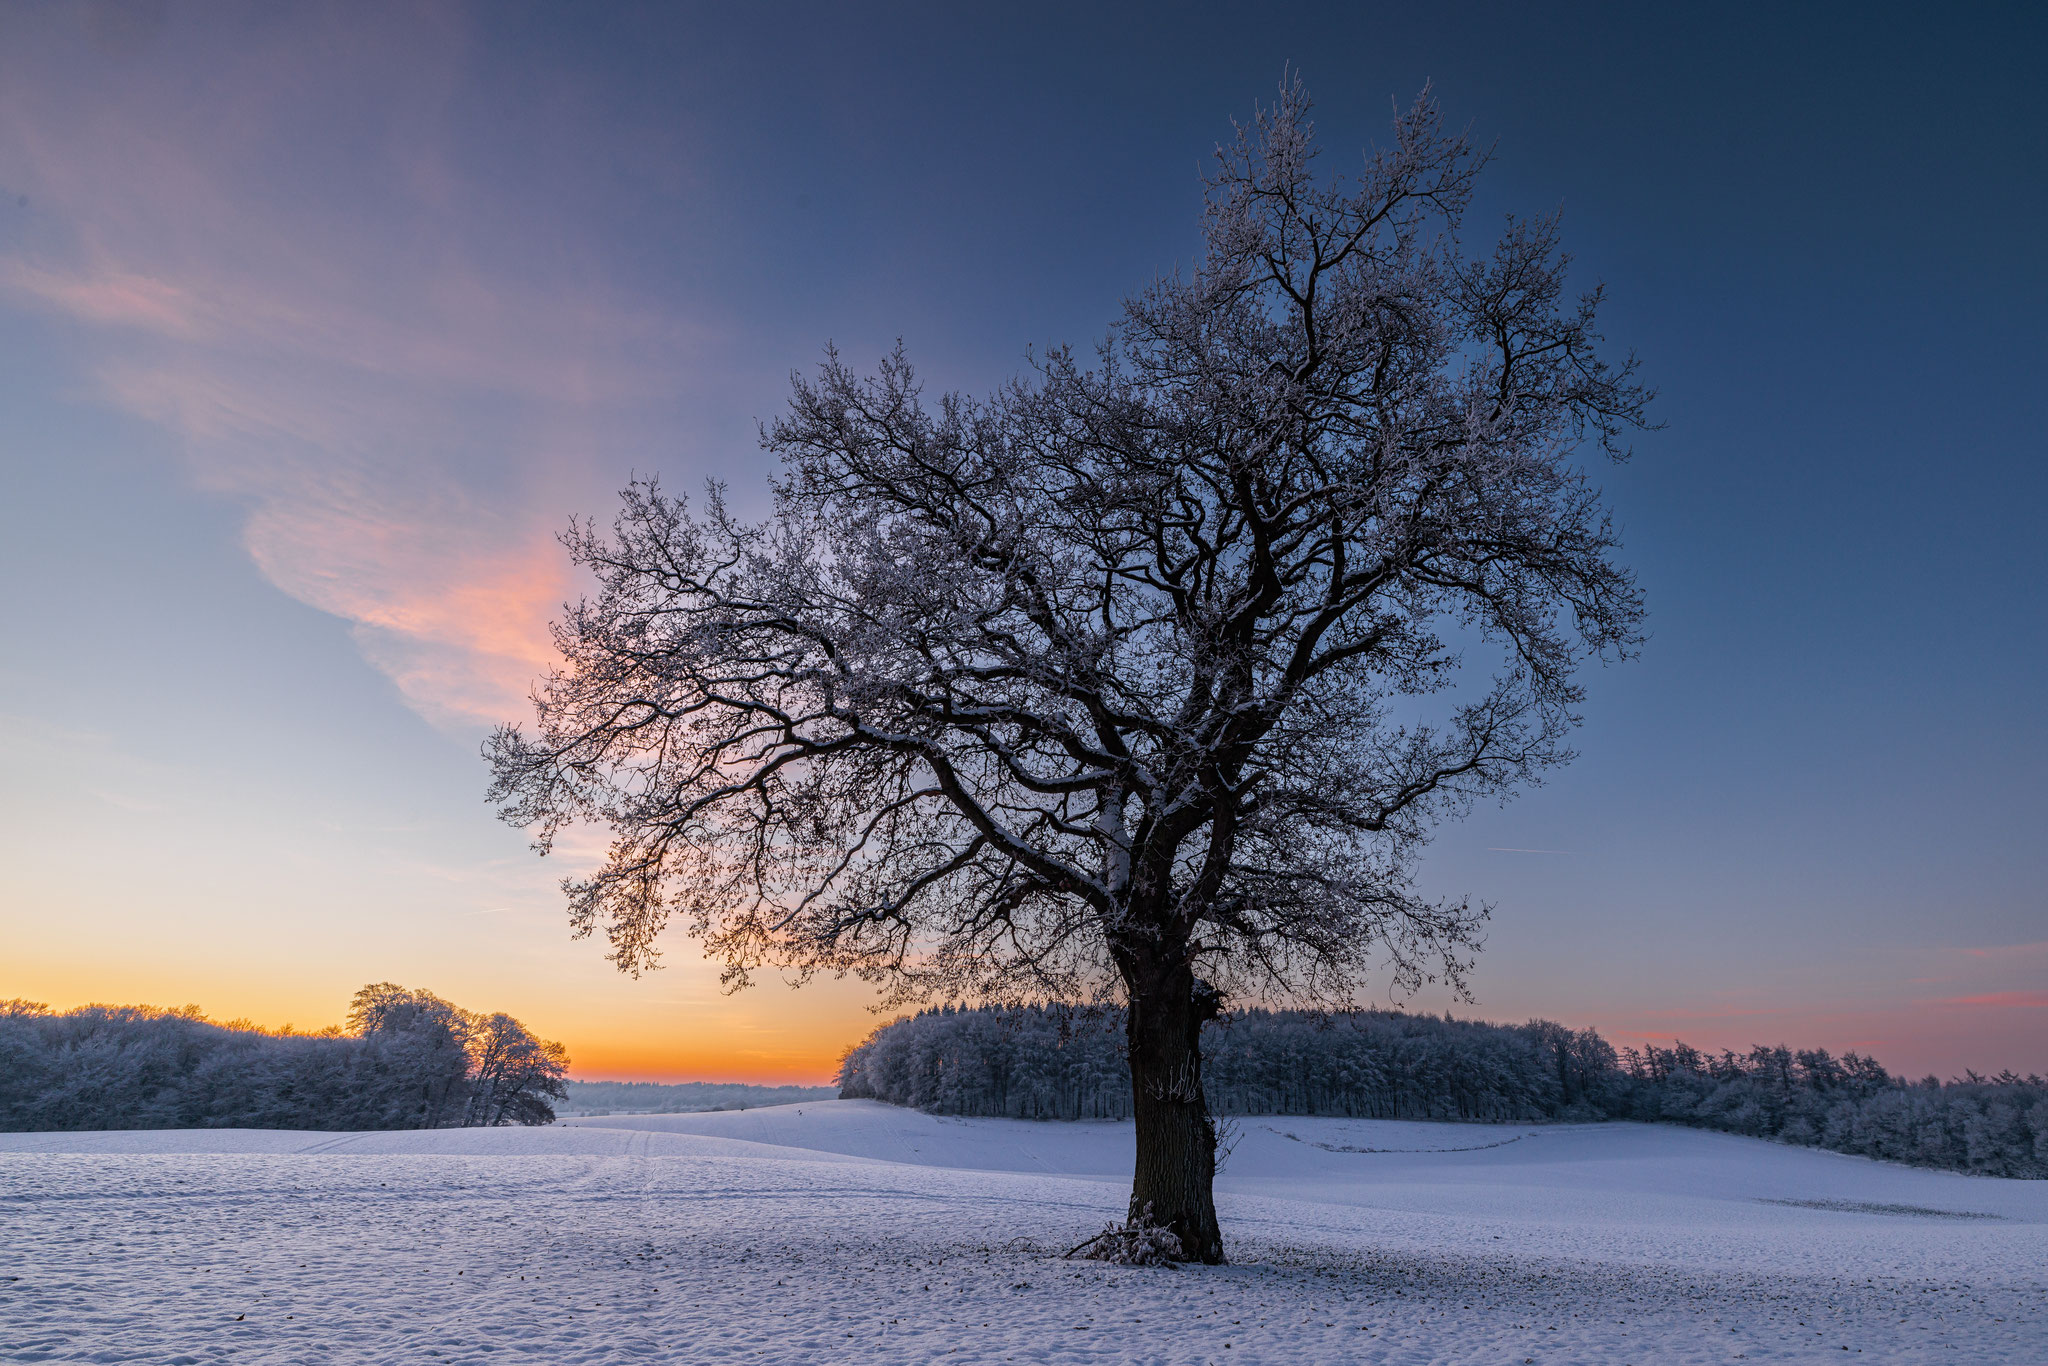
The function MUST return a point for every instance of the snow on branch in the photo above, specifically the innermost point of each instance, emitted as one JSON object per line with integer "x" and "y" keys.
{"x": 1129, "y": 663}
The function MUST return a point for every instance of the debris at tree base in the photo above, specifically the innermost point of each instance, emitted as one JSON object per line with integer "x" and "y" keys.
{"x": 1135, "y": 1242}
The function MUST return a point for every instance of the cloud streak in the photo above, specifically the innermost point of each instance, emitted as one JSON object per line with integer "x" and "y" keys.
{"x": 2002, "y": 1000}
{"x": 108, "y": 296}
{"x": 2036, "y": 948}
{"x": 407, "y": 399}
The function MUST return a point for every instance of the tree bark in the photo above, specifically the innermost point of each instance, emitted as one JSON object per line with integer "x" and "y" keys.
{"x": 1176, "y": 1161}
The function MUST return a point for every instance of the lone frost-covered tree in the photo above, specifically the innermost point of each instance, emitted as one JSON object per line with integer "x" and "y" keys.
{"x": 1143, "y": 675}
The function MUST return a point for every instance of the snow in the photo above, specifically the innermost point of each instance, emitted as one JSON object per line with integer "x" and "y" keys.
{"x": 853, "y": 1231}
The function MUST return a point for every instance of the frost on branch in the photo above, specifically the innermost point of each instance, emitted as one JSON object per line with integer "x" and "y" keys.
{"x": 1137, "y": 1241}
{"x": 1149, "y": 668}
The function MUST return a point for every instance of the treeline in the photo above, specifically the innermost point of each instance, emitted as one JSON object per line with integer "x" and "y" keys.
{"x": 1994, "y": 1126}
{"x": 406, "y": 1060}
{"x": 683, "y": 1097}
{"x": 1060, "y": 1062}
{"x": 1057, "y": 1062}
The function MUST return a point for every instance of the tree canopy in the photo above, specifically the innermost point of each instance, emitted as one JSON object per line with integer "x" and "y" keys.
{"x": 1121, "y": 651}
{"x": 1119, "y": 679}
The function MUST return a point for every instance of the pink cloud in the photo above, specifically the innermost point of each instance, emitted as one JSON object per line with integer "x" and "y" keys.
{"x": 448, "y": 327}
{"x": 115, "y": 298}
{"x": 459, "y": 623}
{"x": 448, "y": 581}
{"x": 2010, "y": 950}
{"x": 408, "y": 389}
{"x": 2002, "y": 999}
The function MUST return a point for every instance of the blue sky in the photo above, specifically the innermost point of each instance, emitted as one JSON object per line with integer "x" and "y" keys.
{"x": 316, "y": 324}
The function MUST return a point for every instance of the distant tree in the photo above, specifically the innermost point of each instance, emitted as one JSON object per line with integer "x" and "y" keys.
{"x": 514, "y": 1077}
{"x": 422, "y": 1044}
{"x": 1114, "y": 680}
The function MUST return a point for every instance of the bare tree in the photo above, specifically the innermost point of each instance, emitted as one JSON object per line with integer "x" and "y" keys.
{"x": 426, "y": 1042}
{"x": 1119, "y": 679}
{"x": 514, "y": 1076}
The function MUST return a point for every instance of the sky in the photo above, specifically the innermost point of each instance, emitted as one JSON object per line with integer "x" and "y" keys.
{"x": 318, "y": 322}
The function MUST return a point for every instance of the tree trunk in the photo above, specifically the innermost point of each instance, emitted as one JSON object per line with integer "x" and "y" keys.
{"x": 1176, "y": 1166}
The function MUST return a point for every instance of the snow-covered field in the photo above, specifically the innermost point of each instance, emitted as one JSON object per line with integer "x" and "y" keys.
{"x": 851, "y": 1231}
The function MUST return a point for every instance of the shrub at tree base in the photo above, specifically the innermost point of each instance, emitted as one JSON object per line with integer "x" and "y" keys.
{"x": 1065, "y": 1062}
{"x": 1138, "y": 1241}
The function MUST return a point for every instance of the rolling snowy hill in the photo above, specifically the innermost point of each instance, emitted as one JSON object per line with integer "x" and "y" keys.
{"x": 849, "y": 1230}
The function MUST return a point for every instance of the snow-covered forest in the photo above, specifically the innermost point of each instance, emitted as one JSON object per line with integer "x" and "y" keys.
{"x": 1057, "y": 1062}
{"x": 406, "y": 1060}
{"x": 1994, "y": 1126}
{"x": 1054, "y": 1062}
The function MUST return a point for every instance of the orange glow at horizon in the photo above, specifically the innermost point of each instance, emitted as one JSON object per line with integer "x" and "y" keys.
{"x": 632, "y": 1061}
{"x": 614, "y": 1030}
{"x": 618, "y": 1029}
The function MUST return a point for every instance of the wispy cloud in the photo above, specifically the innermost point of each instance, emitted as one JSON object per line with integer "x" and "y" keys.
{"x": 92, "y": 764}
{"x": 124, "y": 801}
{"x": 2037, "y": 948}
{"x": 409, "y": 387}
{"x": 2026, "y": 1000}
{"x": 109, "y": 297}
